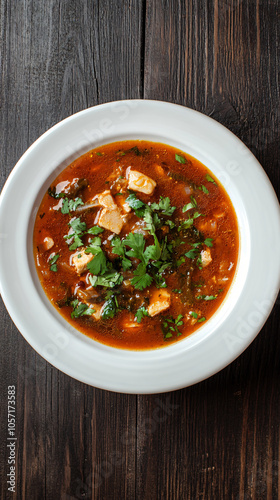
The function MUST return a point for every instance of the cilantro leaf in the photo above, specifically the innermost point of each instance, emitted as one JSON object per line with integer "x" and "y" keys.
{"x": 180, "y": 159}
{"x": 194, "y": 314}
{"x": 95, "y": 230}
{"x": 53, "y": 260}
{"x": 108, "y": 280}
{"x": 118, "y": 246}
{"x": 136, "y": 242}
{"x": 98, "y": 264}
{"x": 110, "y": 308}
{"x": 141, "y": 279}
{"x": 185, "y": 224}
{"x": 190, "y": 205}
{"x": 52, "y": 192}
{"x": 164, "y": 206}
{"x": 126, "y": 264}
{"x": 140, "y": 313}
{"x": 206, "y": 297}
{"x": 77, "y": 225}
{"x": 170, "y": 326}
{"x": 80, "y": 309}
{"x": 152, "y": 252}
{"x": 187, "y": 207}
{"x": 76, "y": 243}
{"x": 137, "y": 205}
{"x": 65, "y": 206}
{"x": 70, "y": 205}
{"x": 95, "y": 245}
{"x": 192, "y": 254}
{"x": 210, "y": 179}
{"x": 204, "y": 189}
{"x": 119, "y": 249}
{"x": 208, "y": 242}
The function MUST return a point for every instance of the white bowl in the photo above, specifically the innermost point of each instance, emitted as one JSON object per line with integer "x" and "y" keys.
{"x": 247, "y": 305}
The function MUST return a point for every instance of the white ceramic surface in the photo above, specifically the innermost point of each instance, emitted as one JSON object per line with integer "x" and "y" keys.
{"x": 252, "y": 295}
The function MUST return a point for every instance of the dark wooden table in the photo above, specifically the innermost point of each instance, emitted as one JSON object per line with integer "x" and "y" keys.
{"x": 219, "y": 439}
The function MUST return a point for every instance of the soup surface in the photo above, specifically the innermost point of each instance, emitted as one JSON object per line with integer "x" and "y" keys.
{"x": 136, "y": 244}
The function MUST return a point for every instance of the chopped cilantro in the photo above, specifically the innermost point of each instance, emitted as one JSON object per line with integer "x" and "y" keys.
{"x": 98, "y": 265}
{"x": 140, "y": 313}
{"x": 110, "y": 308}
{"x": 210, "y": 179}
{"x": 187, "y": 207}
{"x": 152, "y": 252}
{"x": 95, "y": 230}
{"x": 78, "y": 230}
{"x": 76, "y": 243}
{"x": 192, "y": 254}
{"x": 52, "y": 192}
{"x": 206, "y": 297}
{"x": 70, "y": 205}
{"x": 80, "y": 309}
{"x": 118, "y": 246}
{"x": 204, "y": 189}
{"x": 163, "y": 206}
{"x": 53, "y": 260}
{"x": 109, "y": 280}
{"x": 171, "y": 325}
{"x": 180, "y": 159}
{"x": 201, "y": 319}
{"x": 180, "y": 261}
{"x": 119, "y": 249}
{"x": 77, "y": 225}
{"x": 136, "y": 242}
{"x": 136, "y": 204}
{"x": 199, "y": 262}
{"x": 208, "y": 242}
{"x": 141, "y": 279}
{"x": 99, "y": 154}
{"x": 194, "y": 314}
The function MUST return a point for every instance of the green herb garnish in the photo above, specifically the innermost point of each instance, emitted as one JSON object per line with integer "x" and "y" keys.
{"x": 180, "y": 159}
{"x": 206, "y": 297}
{"x": 170, "y": 326}
{"x": 210, "y": 179}
{"x": 80, "y": 309}
{"x": 53, "y": 260}
{"x": 69, "y": 205}
{"x": 140, "y": 313}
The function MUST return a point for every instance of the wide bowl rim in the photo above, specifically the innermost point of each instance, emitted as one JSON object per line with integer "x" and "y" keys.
{"x": 126, "y": 113}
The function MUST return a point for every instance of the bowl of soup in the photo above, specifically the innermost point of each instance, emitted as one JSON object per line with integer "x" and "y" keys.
{"x": 135, "y": 246}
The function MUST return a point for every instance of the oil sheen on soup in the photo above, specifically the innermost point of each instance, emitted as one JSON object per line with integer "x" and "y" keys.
{"x": 136, "y": 244}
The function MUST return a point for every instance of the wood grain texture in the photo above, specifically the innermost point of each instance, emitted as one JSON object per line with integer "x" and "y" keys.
{"x": 217, "y": 440}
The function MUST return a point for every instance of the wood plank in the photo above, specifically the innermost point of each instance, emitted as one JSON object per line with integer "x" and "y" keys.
{"x": 58, "y": 58}
{"x": 221, "y": 438}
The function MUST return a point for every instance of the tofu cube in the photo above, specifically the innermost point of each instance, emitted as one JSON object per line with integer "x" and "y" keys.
{"x": 106, "y": 200}
{"x": 111, "y": 219}
{"x": 47, "y": 244}
{"x": 123, "y": 204}
{"x": 80, "y": 261}
{"x": 159, "y": 302}
{"x": 140, "y": 182}
{"x": 205, "y": 257}
{"x": 97, "y": 310}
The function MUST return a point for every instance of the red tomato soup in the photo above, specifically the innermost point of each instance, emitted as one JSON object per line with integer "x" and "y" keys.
{"x": 136, "y": 244}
